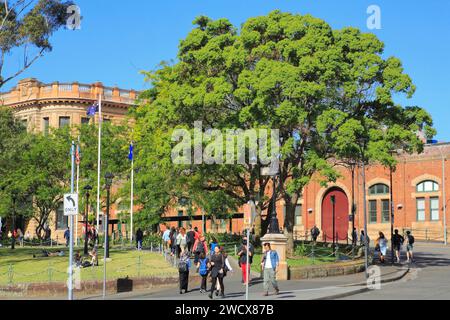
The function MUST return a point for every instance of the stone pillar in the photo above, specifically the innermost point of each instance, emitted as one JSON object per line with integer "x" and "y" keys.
{"x": 279, "y": 243}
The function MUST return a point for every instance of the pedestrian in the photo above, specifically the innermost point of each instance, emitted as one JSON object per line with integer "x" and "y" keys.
{"x": 382, "y": 246}
{"x": 226, "y": 268}
{"x": 269, "y": 264}
{"x": 243, "y": 260}
{"x": 203, "y": 270}
{"x": 190, "y": 238}
{"x": 139, "y": 239}
{"x": 48, "y": 234}
{"x": 213, "y": 244}
{"x": 172, "y": 241}
{"x": 28, "y": 236}
{"x": 410, "y": 246}
{"x": 354, "y": 237}
{"x": 364, "y": 240}
{"x": 67, "y": 236}
{"x": 181, "y": 242}
{"x": 217, "y": 262}
{"x": 20, "y": 236}
{"x": 166, "y": 238}
{"x": 183, "y": 269}
{"x": 315, "y": 232}
{"x": 200, "y": 247}
{"x": 397, "y": 242}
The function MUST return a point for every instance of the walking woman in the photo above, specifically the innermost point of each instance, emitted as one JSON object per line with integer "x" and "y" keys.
{"x": 227, "y": 267}
{"x": 183, "y": 269}
{"x": 217, "y": 271}
{"x": 382, "y": 245}
{"x": 181, "y": 241}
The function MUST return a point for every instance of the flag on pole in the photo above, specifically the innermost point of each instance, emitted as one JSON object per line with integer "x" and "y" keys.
{"x": 92, "y": 110}
{"x": 130, "y": 154}
{"x": 78, "y": 155}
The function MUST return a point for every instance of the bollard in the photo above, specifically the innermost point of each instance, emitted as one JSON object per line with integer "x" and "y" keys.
{"x": 10, "y": 274}
{"x": 139, "y": 266}
{"x": 50, "y": 272}
{"x": 151, "y": 246}
{"x": 235, "y": 250}
{"x": 313, "y": 253}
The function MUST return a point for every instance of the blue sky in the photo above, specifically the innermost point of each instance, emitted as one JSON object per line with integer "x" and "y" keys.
{"x": 119, "y": 38}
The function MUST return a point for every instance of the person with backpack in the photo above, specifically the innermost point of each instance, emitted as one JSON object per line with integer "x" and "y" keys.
{"x": 190, "y": 238}
{"x": 243, "y": 259}
{"x": 217, "y": 262}
{"x": 315, "y": 233}
{"x": 183, "y": 270}
{"x": 227, "y": 268}
{"x": 410, "y": 247}
{"x": 200, "y": 247}
{"x": 397, "y": 243}
{"x": 203, "y": 270}
{"x": 213, "y": 244}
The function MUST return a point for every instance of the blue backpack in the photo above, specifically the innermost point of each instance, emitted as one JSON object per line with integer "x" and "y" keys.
{"x": 203, "y": 270}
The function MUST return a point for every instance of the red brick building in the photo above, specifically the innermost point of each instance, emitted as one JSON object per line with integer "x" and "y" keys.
{"x": 420, "y": 190}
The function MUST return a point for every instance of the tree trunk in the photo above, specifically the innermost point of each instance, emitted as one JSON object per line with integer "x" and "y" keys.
{"x": 289, "y": 222}
{"x": 258, "y": 222}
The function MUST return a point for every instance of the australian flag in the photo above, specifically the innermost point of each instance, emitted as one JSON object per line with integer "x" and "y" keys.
{"x": 92, "y": 110}
{"x": 130, "y": 154}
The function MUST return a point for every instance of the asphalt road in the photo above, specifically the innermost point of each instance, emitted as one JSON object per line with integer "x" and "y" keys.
{"x": 429, "y": 278}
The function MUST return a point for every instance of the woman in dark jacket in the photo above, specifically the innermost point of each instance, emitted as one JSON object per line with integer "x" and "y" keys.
{"x": 217, "y": 262}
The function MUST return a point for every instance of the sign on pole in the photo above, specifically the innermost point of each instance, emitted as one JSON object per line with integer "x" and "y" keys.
{"x": 71, "y": 204}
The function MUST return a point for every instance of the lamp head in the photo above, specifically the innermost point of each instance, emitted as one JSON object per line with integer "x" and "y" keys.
{"x": 109, "y": 179}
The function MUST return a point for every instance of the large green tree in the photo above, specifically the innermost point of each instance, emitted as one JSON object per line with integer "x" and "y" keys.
{"x": 324, "y": 89}
{"x": 27, "y": 25}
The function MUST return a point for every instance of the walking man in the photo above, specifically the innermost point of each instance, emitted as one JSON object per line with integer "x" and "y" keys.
{"x": 166, "y": 238}
{"x": 315, "y": 232}
{"x": 397, "y": 242}
{"x": 139, "y": 239}
{"x": 270, "y": 263}
{"x": 410, "y": 247}
{"x": 67, "y": 236}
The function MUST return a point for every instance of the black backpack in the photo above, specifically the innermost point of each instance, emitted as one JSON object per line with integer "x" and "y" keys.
{"x": 411, "y": 239}
{"x": 182, "y": 266}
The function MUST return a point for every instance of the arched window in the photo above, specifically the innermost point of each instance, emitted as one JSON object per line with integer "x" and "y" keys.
{"x": 428, "y": 186}
{"x": 378, "y": 189}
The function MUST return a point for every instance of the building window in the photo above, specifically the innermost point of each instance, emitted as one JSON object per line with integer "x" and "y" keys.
{"x": 85, "y": 120}
{"x": 62, "y": 222}
{"x": 385, "y": 213}
{"x": 298, "y": 215}
{"x": 421, "y": 209}
{"x": 378, "y": 189}
{"x": 373, "y": 211}
{"x": 46, "y": 125}
{"x": 428, "y": 186}
{"x": 64, "y": 121}
{"x": 434, "y": 209}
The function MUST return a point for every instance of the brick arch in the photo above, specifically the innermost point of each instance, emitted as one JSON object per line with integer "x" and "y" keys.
{"x": 375, "y": 181}
{"x": 426, "y": 177}
{"x": 320, "y": 196}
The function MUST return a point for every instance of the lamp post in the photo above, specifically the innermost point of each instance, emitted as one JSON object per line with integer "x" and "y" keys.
{"x": 86, "y": 189}
{"x": 13, "y": 238}
{"x": 333, "y": 203}
{"x": 274, "y": 226}
{"x": 108, "y": 182}
{"x": 391, "y": 179}
{"x": 363, "y": 145}
{"x": 353, "y": 168}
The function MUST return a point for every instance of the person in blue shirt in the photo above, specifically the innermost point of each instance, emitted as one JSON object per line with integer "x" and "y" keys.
{"x": 213, "y": 244}
{"x": 270, "y": 263}
{"x": 183, "y": 269}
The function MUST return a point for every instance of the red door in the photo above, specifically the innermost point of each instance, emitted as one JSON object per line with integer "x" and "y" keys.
{"x": 341, "y": 215}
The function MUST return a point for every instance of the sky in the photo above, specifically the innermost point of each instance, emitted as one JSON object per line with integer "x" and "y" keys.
{"x": 119, "y": 39}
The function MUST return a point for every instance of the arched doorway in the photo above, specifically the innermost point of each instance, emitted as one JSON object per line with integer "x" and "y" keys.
{"x": 341, "y": 215}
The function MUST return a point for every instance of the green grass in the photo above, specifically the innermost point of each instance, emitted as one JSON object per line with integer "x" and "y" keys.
{"x": 26, "y": 269}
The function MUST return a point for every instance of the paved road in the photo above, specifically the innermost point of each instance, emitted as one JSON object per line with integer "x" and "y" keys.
{"x": 429, "y": 278}
{"x": 290, "y": 290}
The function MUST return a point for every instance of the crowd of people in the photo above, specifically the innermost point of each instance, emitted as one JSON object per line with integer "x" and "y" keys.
{"x": 211, "y": 261}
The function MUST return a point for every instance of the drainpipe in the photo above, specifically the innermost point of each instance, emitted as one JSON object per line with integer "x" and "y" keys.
{"x": 444, "y": 196}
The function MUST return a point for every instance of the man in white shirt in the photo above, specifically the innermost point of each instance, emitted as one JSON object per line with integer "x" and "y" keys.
{"x": 270, "y": 263}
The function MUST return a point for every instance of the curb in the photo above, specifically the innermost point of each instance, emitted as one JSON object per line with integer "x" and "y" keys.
{"x": 362, "y": 290}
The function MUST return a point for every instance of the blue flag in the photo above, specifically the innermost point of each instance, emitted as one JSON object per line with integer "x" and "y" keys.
{"x": 92, "y": 110}
{"x": 130, "y": 155}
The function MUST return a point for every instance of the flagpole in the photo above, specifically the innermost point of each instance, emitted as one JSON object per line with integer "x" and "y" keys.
{"x": 132, "y": 197}
{"x": 78, "y": 184}
{"x": 99, "y": 158}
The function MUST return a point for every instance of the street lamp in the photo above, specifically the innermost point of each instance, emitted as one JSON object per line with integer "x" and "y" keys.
{"x": 333, "y": 203}
{"x": 363, "y": 145}
{"x": 391, "y": 191}
{"x": 86, "y": 189}
{"x": 13, "y": 238}
{"x": 108, "y": 182}
{"x": 274, "y": 227}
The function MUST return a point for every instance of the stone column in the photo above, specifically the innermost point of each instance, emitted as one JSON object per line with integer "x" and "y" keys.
{"x": 279, "y": 243}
